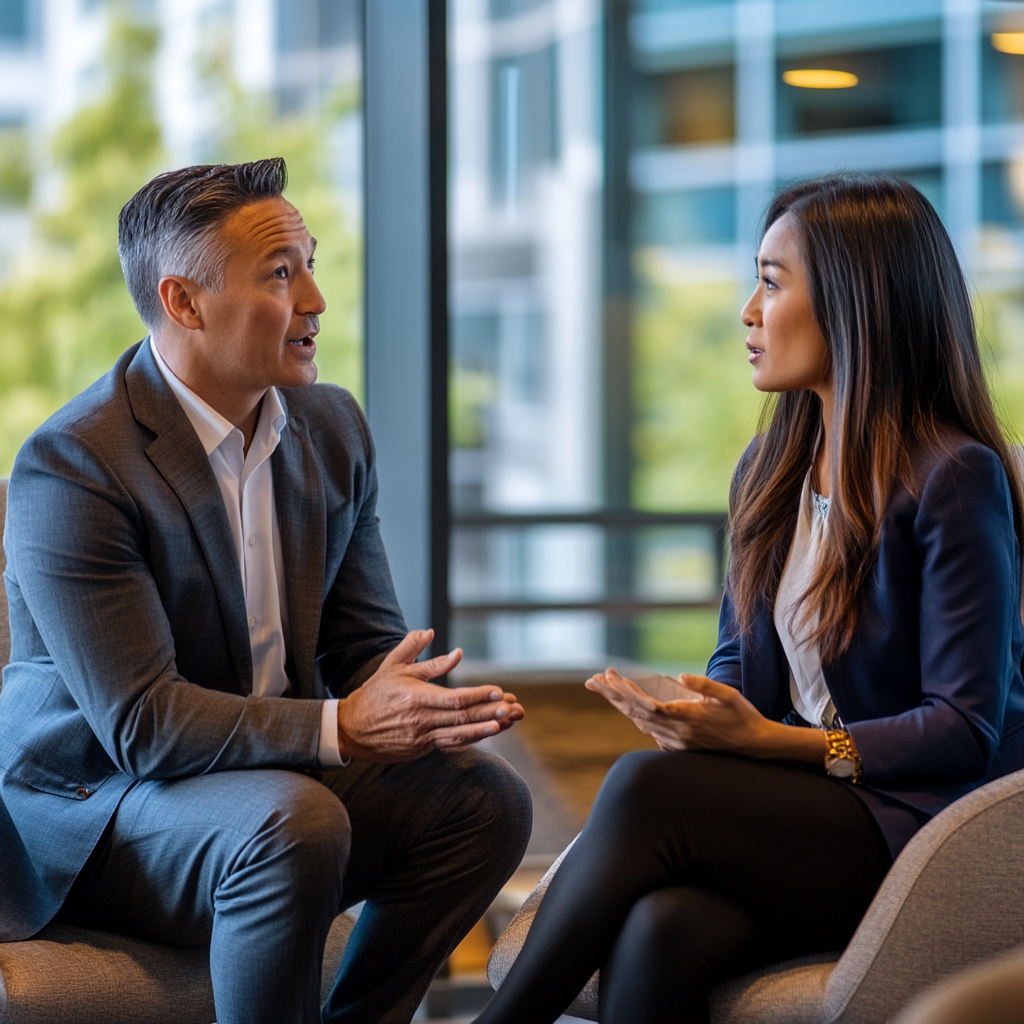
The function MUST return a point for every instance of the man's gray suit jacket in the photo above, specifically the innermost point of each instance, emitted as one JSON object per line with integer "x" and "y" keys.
{"x": 130, "y": 655}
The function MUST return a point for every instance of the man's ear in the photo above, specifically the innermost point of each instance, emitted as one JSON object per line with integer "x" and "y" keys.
{"x": 177, "y": 295}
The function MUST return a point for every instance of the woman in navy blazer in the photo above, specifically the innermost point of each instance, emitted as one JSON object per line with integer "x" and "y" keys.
{"x": 868, "y": 670}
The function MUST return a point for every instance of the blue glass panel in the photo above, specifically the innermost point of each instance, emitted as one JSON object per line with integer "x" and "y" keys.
{"x": 998, "y": 203}
{"x": 13, "y": 20}
{"x": 705, "y": 216}
{"x": 898, "y": 87}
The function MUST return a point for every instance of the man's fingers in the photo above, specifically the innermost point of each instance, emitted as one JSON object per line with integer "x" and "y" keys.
{"x": 455, "y": 697}
{"x": 409, "y": 648}
{"x": 436, "y": 666}
{"x": 455, "y": 736}
{"x": 495, "y": 711}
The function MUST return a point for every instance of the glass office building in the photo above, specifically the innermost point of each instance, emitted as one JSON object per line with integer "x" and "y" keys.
{"x": 609, "y": 165}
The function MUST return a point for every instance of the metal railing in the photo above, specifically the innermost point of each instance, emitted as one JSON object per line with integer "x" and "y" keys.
{"x": 624, "y": 522}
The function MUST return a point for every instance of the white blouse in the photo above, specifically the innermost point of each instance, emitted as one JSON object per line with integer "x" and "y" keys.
{"x": 807, "y": 686}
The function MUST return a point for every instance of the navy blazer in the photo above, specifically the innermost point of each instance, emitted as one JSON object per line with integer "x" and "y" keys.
{"x": 930, "y": 687}
{"x": 130, "y": 652}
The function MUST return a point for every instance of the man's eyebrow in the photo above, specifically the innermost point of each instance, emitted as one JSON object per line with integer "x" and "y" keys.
{"x": 290, "y": 250}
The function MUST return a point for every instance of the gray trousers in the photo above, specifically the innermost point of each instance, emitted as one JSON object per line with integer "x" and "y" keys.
{"x": 258, "y": 864}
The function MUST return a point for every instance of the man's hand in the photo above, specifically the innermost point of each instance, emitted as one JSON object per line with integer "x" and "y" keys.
{"x": 397, "y": 715}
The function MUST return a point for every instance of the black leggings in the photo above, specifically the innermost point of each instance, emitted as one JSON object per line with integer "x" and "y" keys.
{"x": 694, "y": 868}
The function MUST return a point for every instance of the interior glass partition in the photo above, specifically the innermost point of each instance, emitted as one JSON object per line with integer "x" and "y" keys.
{"x": 609, "y": 164}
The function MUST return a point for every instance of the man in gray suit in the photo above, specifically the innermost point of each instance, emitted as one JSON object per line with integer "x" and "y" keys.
{"x": 213, "y": 727}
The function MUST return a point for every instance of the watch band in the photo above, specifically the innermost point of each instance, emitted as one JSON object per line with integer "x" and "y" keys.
{"x": 841, "y": 758}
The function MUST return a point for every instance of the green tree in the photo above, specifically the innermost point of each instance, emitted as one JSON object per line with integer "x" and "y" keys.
{"x": 65, "y": 311}
{"x": 696, "y": 409}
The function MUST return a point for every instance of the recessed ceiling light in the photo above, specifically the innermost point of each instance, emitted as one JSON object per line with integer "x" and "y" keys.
{"x": 819, "y": 78}
{"x": 1008, "y": 42}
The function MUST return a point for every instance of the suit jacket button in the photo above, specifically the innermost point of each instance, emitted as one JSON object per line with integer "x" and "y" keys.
{"x": 82, "y": 793}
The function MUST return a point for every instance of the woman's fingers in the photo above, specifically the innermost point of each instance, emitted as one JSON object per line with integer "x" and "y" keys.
{"x": 709, "y": 687}
{"x": 630, "y": 703}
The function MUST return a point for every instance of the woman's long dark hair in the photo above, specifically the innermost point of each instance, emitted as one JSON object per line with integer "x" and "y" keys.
{"x": 890, "y": 298}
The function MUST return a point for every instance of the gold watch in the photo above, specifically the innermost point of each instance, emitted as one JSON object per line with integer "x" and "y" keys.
{"x": 841, "y": 758}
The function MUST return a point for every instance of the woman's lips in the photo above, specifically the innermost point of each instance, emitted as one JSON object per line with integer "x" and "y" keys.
{"x": 755, "y": 353}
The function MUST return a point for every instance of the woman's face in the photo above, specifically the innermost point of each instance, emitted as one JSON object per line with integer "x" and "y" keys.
{"x": 787, "y": 349}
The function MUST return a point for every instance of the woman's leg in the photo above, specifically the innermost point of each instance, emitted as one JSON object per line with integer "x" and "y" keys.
{"x": 676, "y": 943}
{"x": 795, "y": 853}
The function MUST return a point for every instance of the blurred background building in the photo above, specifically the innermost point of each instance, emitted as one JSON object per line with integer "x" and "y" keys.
{"x": 609, "y": 167}
{"x": 608, "y": 163}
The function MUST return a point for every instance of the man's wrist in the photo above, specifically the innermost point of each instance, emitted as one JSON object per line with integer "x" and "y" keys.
{"x": 344, "y": 743}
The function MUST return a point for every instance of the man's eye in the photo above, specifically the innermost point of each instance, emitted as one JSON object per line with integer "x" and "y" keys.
{"x": 310, "y": 264}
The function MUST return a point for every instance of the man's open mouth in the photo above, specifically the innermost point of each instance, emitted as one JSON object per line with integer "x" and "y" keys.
{"x": 307, "y": 340}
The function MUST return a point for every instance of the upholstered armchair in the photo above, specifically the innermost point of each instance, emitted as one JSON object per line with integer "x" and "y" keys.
{"x": 954, "y": 898}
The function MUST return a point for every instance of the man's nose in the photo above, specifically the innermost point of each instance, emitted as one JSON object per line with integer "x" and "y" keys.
{"x": 312, "y": 302}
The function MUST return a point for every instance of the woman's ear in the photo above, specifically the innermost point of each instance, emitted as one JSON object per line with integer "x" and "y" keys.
{"x": 177, "y": 295}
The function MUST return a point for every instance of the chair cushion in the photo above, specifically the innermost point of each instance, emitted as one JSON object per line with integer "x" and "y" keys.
{"x": 70, "y": 974}
{"x": 788, "y": 993}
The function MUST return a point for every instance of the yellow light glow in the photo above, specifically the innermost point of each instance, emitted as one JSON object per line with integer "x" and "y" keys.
{"x": 819, "y": 78}
{"x": 1008, "y": 42}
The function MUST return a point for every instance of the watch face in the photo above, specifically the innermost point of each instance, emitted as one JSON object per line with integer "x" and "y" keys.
{"x": 841, "y": 767}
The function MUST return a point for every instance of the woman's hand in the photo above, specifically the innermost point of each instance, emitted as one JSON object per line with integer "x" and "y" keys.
{"x": 723, "y": 720}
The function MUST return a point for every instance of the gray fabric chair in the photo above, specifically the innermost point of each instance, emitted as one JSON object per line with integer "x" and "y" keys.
{"x": 68, "y": 975}
{"x": 991, "y": 992}
{"x": 954, "y": 897}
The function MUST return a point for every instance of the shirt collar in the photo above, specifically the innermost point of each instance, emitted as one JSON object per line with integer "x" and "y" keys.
{"x": 211, "y": 427}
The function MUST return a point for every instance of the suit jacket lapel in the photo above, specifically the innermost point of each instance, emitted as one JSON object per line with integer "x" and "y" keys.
{"x": 181, "y": 460}
{"x": 302, "y": 518}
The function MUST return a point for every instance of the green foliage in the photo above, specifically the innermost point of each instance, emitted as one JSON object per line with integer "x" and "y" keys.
{"x": 680, "y": 641}
{"x": 65, "y": 309}
{"x": 15, "y": 167}
{"x": 696, "y": 409}
{"x": 1000, "y": 316}
{"x": 470, "y": 394}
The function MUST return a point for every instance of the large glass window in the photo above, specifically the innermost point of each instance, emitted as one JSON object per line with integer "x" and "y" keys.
{"x": 600, "y": 394}
{"x": 96, "y": 98}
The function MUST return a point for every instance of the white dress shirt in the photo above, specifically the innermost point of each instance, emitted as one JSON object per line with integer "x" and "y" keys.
{"x": 807, "y": 686}
{"x": 247, "y": 487}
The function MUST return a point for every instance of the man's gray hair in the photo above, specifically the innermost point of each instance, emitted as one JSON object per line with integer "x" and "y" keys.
{"x": 170, "y": 226}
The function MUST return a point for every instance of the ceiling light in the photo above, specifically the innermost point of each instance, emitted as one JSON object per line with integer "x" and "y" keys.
{"x": 818, "y": 78}
{"x": 1008, "y": 42}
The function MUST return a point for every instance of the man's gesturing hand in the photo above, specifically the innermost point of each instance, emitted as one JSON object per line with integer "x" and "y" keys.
{"x": 397, "y": 715}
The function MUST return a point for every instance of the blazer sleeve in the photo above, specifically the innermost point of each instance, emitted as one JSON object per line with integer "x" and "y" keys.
{"x": 724, "y": 666}
{"x": 361, "y": 618}
{"x": 969, "y": 610}
{"x": 82, "y": 595}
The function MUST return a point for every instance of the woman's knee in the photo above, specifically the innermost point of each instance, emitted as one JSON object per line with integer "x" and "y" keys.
{"x": 637, "y": 784}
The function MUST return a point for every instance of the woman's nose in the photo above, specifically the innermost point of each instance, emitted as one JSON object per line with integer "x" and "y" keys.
{"x": 750, "y": 313}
